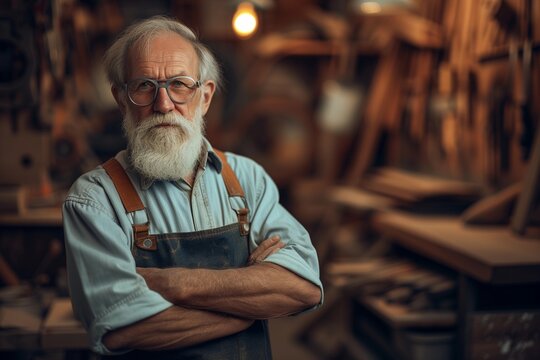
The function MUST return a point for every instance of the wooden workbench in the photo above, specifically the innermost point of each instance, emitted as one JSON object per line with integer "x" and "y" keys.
{"x": 490, "y": 254}
{"x": 487, "y": 259}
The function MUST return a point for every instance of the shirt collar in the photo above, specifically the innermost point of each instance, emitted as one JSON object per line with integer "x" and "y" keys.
{"x": 208, "y": 156}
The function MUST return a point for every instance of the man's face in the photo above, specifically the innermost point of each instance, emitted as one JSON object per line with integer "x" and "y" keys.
{"x": 165, "y": 138}
{"x": 167, "y": 55}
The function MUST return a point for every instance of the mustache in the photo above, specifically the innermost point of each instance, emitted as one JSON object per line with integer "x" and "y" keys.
{"x": 170, "y": 119}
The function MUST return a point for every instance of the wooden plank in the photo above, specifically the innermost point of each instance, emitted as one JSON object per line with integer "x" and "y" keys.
{"x": 409, "y": 186}
{"x": 359, "y": 199}
{"x": 493, "y": 209}
{"x": 491, "y": 254}
{"x": 400, "y": 317}
{"x": 49, "y": 217}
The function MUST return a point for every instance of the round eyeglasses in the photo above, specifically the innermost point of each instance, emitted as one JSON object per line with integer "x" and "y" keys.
{"x": 143, "y": 92}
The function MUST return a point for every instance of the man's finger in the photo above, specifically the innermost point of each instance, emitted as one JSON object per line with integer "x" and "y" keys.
{"x": 271, "y": 251}
{"x": 265, "y": 245}
{"x": 254, "y": 258}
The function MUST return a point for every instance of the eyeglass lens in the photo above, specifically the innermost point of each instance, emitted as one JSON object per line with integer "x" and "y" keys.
{"x": 144, "y": 91}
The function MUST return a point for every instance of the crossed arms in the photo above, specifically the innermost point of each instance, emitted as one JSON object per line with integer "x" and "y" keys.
{"x": 210, "y": 304}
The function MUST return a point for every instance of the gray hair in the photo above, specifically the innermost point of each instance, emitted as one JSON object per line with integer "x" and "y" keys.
{"x": 142, "y": 32}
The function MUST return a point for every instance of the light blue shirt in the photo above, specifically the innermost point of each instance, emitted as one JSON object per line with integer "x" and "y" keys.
{"x": 107, "y": 292}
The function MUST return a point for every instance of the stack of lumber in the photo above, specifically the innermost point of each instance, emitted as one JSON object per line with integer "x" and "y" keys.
{"x": 396, "y": 281}
{"x": 418, "y": 191}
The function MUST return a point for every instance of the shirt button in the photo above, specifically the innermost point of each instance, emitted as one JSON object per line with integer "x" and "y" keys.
{"x": 245, "y": 227}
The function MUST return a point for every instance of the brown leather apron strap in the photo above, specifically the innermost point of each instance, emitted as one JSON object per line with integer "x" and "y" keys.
{"x": 234, "y": 189}
{"x": 124, "y": 187}
{"x": 131, "y": 201}
{"x": 231, "y": 181}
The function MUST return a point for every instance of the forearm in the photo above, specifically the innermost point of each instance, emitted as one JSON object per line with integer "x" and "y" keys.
{"x": 260, "y": 291}
{"x": 176, "y": 327}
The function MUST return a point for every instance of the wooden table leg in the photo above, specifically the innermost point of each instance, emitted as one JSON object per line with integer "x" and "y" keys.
{"x": 467, "y": 301}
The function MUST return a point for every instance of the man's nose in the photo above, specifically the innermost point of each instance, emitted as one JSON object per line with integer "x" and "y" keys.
{"x": 163, "y": 103}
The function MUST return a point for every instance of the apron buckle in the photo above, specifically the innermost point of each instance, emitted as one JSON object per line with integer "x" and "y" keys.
{"x": 143, "y": 240}
{"x": 243, "y": 221}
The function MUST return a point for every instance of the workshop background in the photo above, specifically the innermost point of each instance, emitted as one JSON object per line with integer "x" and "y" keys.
{"x": 404, "y": 134}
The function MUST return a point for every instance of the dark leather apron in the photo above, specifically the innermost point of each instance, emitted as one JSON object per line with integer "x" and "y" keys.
{"x": 224, "y": 247}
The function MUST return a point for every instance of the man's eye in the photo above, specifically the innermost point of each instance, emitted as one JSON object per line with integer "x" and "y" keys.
{"x": 145, "y": 86}
{"x": 177, "y": 84}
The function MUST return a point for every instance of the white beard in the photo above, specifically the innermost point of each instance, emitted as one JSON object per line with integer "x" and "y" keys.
{"x": 165, "y": 153}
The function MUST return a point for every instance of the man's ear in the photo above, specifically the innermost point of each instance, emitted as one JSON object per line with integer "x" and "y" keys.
{"x": 119, "y": 98}
{"x": 208, "y": 89}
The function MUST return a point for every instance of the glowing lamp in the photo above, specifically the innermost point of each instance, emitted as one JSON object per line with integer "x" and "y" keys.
{"x": 370, "y": 7}
{"x": 245, "y": 20}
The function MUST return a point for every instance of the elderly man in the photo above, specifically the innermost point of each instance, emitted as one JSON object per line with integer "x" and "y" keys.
{"x": 173, "y": 246}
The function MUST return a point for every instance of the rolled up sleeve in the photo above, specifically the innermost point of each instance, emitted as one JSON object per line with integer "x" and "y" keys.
{"x": 106, "y": 291}
{"x": 269, "y": 217}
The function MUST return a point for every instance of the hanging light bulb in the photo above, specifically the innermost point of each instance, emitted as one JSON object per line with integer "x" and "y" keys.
{"x": 245, "y": 20}
{"x": 370, "y": 7}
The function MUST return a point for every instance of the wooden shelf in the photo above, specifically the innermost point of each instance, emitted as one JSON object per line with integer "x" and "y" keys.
{"x": 279, "y": 46}
{"x": 41, "y": 217}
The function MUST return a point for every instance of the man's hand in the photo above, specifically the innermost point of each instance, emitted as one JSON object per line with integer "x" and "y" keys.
{"x": 265, "y": 249}
{"x": 157, "y": 279}
{"x": 204, "y": 325}
{"x": 261, "y": 290}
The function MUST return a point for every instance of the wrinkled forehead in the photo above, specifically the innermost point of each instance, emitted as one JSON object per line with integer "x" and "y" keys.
{"x": 162, "y": 54}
